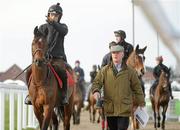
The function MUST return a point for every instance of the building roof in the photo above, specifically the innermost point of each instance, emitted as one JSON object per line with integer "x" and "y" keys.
{"x": 11, "y": 73}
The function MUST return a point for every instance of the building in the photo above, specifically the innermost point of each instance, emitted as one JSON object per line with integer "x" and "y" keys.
{"x": 11, "y": 73}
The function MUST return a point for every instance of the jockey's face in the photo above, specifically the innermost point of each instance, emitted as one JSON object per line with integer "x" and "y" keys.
{"x": 118, "y": 38}
{"x": 157, "y": 62}
{"x": 117, "y": 57}
{"x": 77, "y": 64}
{"x": 54, "y": 17}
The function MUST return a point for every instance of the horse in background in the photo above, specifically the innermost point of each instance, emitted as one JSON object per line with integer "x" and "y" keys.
{"x": 44, "y": 89}
{"x": 136, "y": 61}
{"x": 92, "y": 109}
{"x": 161, "y": 98}
{"x": 78, "y": 101}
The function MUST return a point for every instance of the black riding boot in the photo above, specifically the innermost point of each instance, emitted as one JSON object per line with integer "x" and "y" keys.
{"x": 170, "y": 90}
{"x": 154, "y": 87}
{"x": 63, "y": 75}
{"x": 27, "y": 100}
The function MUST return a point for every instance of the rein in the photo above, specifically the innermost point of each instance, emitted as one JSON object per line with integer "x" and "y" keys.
{"x": 22, "y": 72}
{"x": 28, "y": 65}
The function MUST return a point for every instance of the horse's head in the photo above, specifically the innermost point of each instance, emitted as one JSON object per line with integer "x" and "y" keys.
{"x": 136, "y": 60}
{"x": 39, "y": 47}
{"x": 164, "y": 79}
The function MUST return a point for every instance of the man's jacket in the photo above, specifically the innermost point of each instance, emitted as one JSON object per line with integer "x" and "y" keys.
{"x": 157, "y": 70}
{"x": 55, "y": 33}
{"x": 119, "y": 88}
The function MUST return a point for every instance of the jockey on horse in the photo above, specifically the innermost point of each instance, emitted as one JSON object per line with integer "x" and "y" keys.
{"x": 55, "y": 39}
{"x": 157, "y": 72}
{"x": 80, "y": 71}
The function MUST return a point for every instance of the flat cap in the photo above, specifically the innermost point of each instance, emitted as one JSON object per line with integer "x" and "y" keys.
{"x": 117, "y": 48}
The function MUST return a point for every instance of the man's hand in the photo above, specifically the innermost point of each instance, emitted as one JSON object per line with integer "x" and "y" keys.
{"x": 142, "y": 105}
{"x": 49, "y": 20}
{"x": 96, "y": 95}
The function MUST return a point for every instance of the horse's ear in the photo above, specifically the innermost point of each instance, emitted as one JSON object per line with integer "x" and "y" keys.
{"x": 36, "y": 31}
{"x": 99, "y": 67}
{"x": 143, "y": 50}
{"x": 137, "y": 47}
{"x": 169, "y": 69}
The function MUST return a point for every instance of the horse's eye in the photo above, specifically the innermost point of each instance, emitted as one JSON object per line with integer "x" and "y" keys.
{"x": 144, "y": 57}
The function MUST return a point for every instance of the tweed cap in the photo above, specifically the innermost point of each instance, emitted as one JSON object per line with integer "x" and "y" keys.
{"x": 117, "y": 48}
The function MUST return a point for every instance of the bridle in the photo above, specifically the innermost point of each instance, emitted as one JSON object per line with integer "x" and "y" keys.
{"x": 44, "y": 61}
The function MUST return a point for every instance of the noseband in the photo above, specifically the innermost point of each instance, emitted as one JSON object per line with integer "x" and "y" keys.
{"x": 37, "y": 50}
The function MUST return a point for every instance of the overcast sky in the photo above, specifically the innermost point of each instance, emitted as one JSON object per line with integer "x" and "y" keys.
{"x": 91, "y": 25}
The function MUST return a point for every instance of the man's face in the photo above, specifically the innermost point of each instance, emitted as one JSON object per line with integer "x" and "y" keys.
{"x": 117, "y": 57}
{"x": 77, "y": 64}
{"x": 54, "y": 17}
{"x": 157, "y": 62}
{"x": 118, "y": 38}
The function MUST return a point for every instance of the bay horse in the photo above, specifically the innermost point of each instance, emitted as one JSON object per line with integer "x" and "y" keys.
{"x": 44, "y": 89}
{"x": 78, "y": 101}
{"x": 92, "y": 108}
{"x": 136, "y": 61}
{"x": 161, "y": 98}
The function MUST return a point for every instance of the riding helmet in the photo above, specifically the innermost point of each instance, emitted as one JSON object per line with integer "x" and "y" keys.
{"x": 55, "y": 9}
{"x": 121, "y": 33}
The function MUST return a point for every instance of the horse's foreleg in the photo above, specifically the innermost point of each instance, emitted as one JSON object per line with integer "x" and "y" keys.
{"x": 79, "y": 115}
{"x": 164, "y": 116}
{"x": 90, "y": 115}
{"x": 47, "y": 117}
{"x": 39, "y": 115}
{"x": 67, "y": 116}
{"x": 94, "y": 114}
{"x": 158, "y": 116}
{"x": 99, "y": 115}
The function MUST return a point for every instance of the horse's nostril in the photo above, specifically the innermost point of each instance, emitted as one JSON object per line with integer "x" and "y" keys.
{"x": 38, "y": 62}
{"x": 142, "y": 71}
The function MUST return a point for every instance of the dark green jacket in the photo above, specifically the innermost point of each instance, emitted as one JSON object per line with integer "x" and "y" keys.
{"x": 157, "y": 70}
{"x": 118, "y": 89}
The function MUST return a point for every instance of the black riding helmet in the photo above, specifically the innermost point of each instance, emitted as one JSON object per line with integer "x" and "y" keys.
{"x": 121, "y": 33}
{"x": 55, "y": 9}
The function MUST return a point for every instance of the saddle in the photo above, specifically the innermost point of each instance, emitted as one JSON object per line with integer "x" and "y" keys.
{"x": 70, "y": 80}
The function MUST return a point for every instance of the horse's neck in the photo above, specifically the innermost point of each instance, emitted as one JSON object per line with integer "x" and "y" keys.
{"x": 130, "y": 60}
{"x": 39, "y": 74}
{"x": 160, "y": 85}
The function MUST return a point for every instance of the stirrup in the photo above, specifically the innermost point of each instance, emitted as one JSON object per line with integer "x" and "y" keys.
{"x": 27, "y": 100}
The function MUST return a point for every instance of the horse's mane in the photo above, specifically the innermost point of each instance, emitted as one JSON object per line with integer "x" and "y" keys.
{"x": 162, "y": 79}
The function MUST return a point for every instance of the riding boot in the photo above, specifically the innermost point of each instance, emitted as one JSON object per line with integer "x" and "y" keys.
{"x": 170, "y": 90}
{"x": 63, "y": 75}
{"x": 154, "y": 87}
{"x": 64, "y": 93}
{"x": 27, "y": 100}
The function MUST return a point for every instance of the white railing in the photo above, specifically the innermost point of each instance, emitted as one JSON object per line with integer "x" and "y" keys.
{"x": 25, "y": 115}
